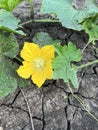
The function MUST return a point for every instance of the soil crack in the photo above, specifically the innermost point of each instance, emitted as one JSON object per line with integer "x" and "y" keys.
{"x": 43, "y": 113}
{"x": 13, "y": 100}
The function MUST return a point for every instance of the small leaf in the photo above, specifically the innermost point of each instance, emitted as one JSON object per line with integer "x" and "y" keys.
{"x": 43, "y": 39}
{"x": 9, "y": 46}
{"x": 13, "y": 3}
{"x": 63, "y": 69}
{"x": 9, "y": 5}
{"x": 91, "y": 28}
{"x": 9, "y": 23}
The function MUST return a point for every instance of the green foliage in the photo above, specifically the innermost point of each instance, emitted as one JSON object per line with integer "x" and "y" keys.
{"x": 9, "y": 23}
{"x": 9, "y": 80}
{"x": 3, "y": 4}
{"x": 8, "y": 44}
{"x": 8, "y": 83}
{"x": 9, "y": 5}
{"x": 67, "y": 14}
{"x": 65, "y": 56}
{"x": 62, "y": 64}
{"x": 43, "y": 39}
{"x": 90, "y": 26}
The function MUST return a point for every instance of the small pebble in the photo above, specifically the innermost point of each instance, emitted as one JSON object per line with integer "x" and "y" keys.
{"x": 1, "y": 128}
{"x": 78, "y": 4}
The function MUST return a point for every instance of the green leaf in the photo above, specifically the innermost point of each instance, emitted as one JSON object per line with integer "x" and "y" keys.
{"x": 9, "y": 23}
{"x": 8, "y": 45}
{"x": 13, "y": 3}
{"x": 43, "y": 39}
{"x": 8, "y": 83}
{"x": 90, "y": 26}
{"x": 62, "y": 66}
{"x": 3, "y": 4}
{"x": 71, "y": 52}
{"x": 73, "y": 76}
{"x": 60, "y": 72}
{"x": 67, "y": 14}
{"x": 9, "y": 5}
{"x": 9, "y": 80}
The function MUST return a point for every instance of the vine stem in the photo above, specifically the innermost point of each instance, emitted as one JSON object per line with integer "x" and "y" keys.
{"x": 39, "y": 21}
{"x": 88, "y": 64}
{"x": 47, "y": 20}
{"x": 81, "y": 102}
{"x": 32, "y": 9}
{"x": 32, "y": 16}
{"x": 32, "y": 124}
{"x": 27, "y": 22}
{"x": 18, "y": 59}
{"x": 85, "y": 47}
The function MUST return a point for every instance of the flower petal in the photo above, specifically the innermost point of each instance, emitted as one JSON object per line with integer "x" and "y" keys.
{"x": 25, "y": 70}
{"x": 38, "y": 78}
{"x": 48, "y": 70}
{"x": 30, "y": 51}
{"x": 48, "y": 52}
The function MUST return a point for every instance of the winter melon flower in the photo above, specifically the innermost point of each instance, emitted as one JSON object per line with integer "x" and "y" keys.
{"x": 37, "y": 63}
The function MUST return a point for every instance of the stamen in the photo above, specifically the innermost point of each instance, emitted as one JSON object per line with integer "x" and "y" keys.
{"x": 39, "y": 63}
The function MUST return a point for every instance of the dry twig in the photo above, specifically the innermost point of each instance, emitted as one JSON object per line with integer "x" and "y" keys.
{"x": 32, "y": 124}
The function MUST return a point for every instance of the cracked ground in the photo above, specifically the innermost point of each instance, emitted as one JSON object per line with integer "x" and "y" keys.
{"x": 53, "y": 107}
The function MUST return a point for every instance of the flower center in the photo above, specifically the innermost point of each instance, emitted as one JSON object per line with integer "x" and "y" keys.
{"x": 39, "y": 63}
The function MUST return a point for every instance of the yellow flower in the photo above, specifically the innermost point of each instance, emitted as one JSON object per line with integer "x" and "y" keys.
{"x": 37, "y": 63}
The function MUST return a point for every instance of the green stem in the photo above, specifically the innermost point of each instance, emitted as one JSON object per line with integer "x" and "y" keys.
{"x": 81, "y": 102}
{"x": 18, "y": 59}
{"x": 47, "y": 20}
{"x": 88, "y": 64}
{"x": 32, "y": 9}
{"x": 85, "y": 47}
{"x": 27, "y": 22}
{"x": 40, "y": 21}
